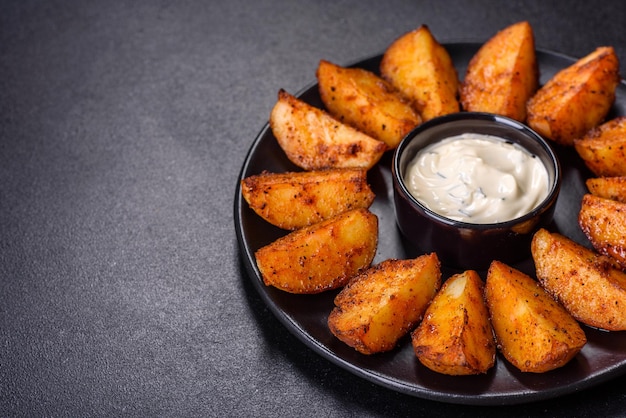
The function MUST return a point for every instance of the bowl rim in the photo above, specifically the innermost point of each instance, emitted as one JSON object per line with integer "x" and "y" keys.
{"x": 549, "y": 200}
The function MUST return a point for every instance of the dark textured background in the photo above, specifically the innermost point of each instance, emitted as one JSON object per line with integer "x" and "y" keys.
{"x": 123, "y": 127}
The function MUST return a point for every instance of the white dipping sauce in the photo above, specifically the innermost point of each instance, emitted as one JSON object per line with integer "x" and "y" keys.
{"x": 477, "y": 178}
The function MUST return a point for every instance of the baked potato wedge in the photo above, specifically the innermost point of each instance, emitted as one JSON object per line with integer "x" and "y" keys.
{"x": 421, "y": 68}
{"x": 576, "y": 98}
{"x": 604, "y": 223}
{"x": 533, "y": 331}
{"x": 613, "y": 188}
{"x": 322, "y": 256}
{"x": 314, "y": 140}
{"x": 590, "y": 286}
{"x": 298, "y": 199}
{"x": 455, "y": 337}
{"x": 503, "y": 74}
{"x": 603, "y": 148}
{"x": 382, "y": 304}
{"x": 365, "y": 101}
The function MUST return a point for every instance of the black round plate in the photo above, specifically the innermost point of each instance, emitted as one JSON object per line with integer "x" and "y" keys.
{"x": 602, "y": 358}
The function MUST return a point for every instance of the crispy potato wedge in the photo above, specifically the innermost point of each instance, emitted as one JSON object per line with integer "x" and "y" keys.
{"x": 421, "y": 68}
{"x": 365, "y": 101}
{"x": 322, "y": 256}
{"x": 383, "y": 303}
{"x": 298, "y": 199}
{"x": 613, "y": 188}
{"x": 590, "y": 286}
{"x": 576, "y": 98}
{"x": 455, "y": 337}
{"x": 314, "y": 140}
{"x": 604, "y": 222}
{"x": 603, "y": 148}
{"x": 503, "y": 74}
{"x": 533, "y": 331}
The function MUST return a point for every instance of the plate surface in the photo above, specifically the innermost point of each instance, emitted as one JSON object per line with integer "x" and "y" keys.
{"x": 602, "y": 358}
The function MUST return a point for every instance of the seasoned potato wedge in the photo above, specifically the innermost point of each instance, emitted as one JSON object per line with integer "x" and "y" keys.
{"x": 384, "y": 303}
{"x": 604, "y": 222}
{"x": 298, "y": 199}
{"x": 322, "y": 256}
{"x": 589, "y": 286}
{"x": 613, "y": 188}
{"x": 455, "y": 337}
{"x": 603, "y": 148}
{"x": 503, "y": 74}
{"x": 367, "y": 102}
{"x": 421, "y": 68}
{"x": 534, "y": 332}
{"x": 577, "y": 98}
{"x": 313, "y": 140}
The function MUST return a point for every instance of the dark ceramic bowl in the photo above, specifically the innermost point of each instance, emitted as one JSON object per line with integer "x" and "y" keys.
{"x": 466, "y": 245}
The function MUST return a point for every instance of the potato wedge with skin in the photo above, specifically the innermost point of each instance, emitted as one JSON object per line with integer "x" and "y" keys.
{"x": 503, "y": 74}
{"x": 603, "y": 148}
{"x": 314, "y": 140}
{"x": 421, "y": 68}
{"x": 577, "y": 98}
{"x": 455, "y": 337}
{"x": 365, "y": 101}
{"x": 383, "y": 303}
{"x": 322, "y": 256}
{"x": 604, "y": 223}
{"x": 588, "y": 285}
{"x": 613, "y": 188}
{"x": 533, "y": 331}
{"x": 299, "y": 199}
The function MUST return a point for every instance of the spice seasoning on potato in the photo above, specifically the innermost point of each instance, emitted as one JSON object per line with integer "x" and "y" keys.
{"x": 383, "y": 303}
{"x": 577, "y": 98}
{"x": 591, "y": 287}
{"x": 322, "y": 256}
{"x": 503, "y": 74}
{"x": 533, "y": 331}
{"x": 455, "y": 337}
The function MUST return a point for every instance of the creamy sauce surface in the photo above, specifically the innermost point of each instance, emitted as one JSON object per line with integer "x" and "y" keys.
{"x": 477, "y": 178}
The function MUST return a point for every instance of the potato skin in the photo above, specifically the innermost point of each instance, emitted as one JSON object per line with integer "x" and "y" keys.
{"x": 365, "y": 101}
{"x": 421, "y": 68}
{"x": 603, "y": 148}
{"x": 534, "y": 332}
{"x": 604, "y": 223}
{"x": 455, "y": 337}
{"x": 577, "y": 98}
{"x": 322, "y": 256}
{"x": 314, "y": 140}
{"x": 298, "y": 199}
{"x": 503, "y": 74}
{"x": 383, "y": 303}
{"x": 613, "y": 188}
{"x": 588, "y": 285}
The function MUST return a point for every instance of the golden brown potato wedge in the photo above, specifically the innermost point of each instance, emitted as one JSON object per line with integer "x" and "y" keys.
{"x": 421, "y": 68}
{"x": 322, "y": 256}
{"x": 455, "y": 337}
{"x": 588, "y": 285}
{"x": 314, "y": 140}
{"x": 299, "y": 199}
{"x": 603, "y": 148}
{"x": 613, "y": 188}
{"x": 365, "y": 101}
{"x": 534, "y": 332}
{"x": 604, "y": 222}
{"x": 503, "y": 74}
{"x": 576, "y": 98}
{"x": 384, "y": 303}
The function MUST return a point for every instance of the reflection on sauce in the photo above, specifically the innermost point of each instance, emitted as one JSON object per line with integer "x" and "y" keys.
{"x": 477, "y": 178}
